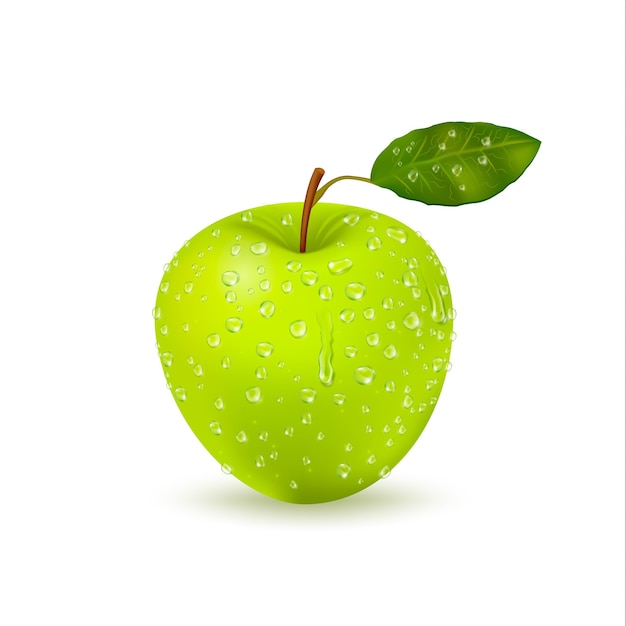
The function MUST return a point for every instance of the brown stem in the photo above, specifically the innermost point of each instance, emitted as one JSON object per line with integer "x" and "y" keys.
{"x": 308, "y": 205}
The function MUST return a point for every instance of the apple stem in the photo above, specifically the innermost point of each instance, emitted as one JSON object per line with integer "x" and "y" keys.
{"x": 309, "y": 201}
{"x": 313, "y": 195}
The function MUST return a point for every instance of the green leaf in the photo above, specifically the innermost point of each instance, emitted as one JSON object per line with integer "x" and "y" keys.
{"x": 454, "y": 163}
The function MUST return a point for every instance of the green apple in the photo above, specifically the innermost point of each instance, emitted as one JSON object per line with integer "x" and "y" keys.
{"x": 307, "y": 349}
{"x": 308, "y": 376}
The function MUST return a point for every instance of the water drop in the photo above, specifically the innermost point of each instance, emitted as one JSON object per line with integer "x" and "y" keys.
{"x": 167, "y": 358}
{"x": 339, "y": 398}
{"x": 293, "y": 484}
{"x": 407, "y": 402}
{"x": 265, "y": 285}
{"x": 486, "y": 141}
{"x": 286, "y": 219}
{"x": 321, "y": 436}
{"x": 246, "y": 216}
{"x": 351, "y": 219}
{"x": 267, "y": 308}
{"x": 225, "y": 362}
{"x": 409, "y": 278}
{"x": 438, "y": 364}
{"x": 374, "y": 243}
{"x": 259, "y": 461}
{"x": 388, "y": 304}
{"x": 309, "y": 277}
{"x": 298, "y": 328}
{"x": 442, "y": 146}
{"x": 412, "y": 321}
{"x": 350, "y": 351}
{"x": 355, "y": 291}
{"x": 287, "y": 286}
{"x": 294, "y": 266}
{"x": 241, "y": 437}
{"x": 340, "y": 266}
{"x": 213, "y": 340}
{"x": 156, "y": 312}
{"x": 373, "y": 339}
{"x": 274, "y": 455}
{"x": 230, "y": 278}
{"x": 390, "y": 352}
{"x": 164, "y": 329}
{"x": 188, "y": 287}
{"x": 264, "y": 435}
{"x": 343, "y": 470}
{"x": 308, "y": 395}
{"x": 482, "y": 160}
{"x": 227, "y": 469}
{"x": 306, "y": 418}
{"x": 390, "y": 386}
{"x": 261, "y": 373}
{"x": 258, "y": 248}
{"x": 364, "y": 375}
{"x": 253, "y": 395}
{"x": 396, "y": 151}
{"x": 197, "y": 370}
{"x": 385, "y": 471}
{"x": 230, "y": 296}
{"x": 306, "y": 460}
{"x": 413, "y": 175}
{"x": 371, "y": 459}
{"x": 164, "y": 287}
{"x": 185, "y": 327}
{"x": 397, "y": 234}
{"x": 461, "y": 187}
{"x": 219, "y": 405}
{"x": 369, "y": 313}
{"x": 347, "y": 315}
{"x": 325, "y": 292}
{"x": 180, "y": 394}
{"x": 234, "y": 324}
{"x": 264, "y": 349}
{"x": 235, "y": 250}
{"x": 215, "y": 428}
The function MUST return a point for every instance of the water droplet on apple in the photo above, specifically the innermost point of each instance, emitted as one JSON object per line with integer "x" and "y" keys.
{"x": 373, "y": 339}
{"x": 339, "y": 398}
{"x": 364, "y": 375}
{"x": 355, "y": 291}
{"x": 325, "y": 292}
{"x": 214, "y": 340}
{"x": 350, "y": 351}
{"x": 385, "y": 472}
{"x": 219, "y": 405}
{"x": 185, "y": 327}
{"x": 453, "y": 336}
{"x": 261, "y": 373}
{"x": 293, "y": 484}
{"x": 164, "y": 329}
{"x": 215, "y": 428}
{"x": 412, "y": 321}
{"x": 264, "y": 349}
{"x": 156, "y": 312}
{"x": 289, "y": 431}
{"x": 340, "y": 266}
{"x": 438, "y": 364}
{"x": 246, "y": 216}
{"x": 294, "y": 266}
{"x": 371, "y": 459}
{"x": 259, "y": 461}
{"x": 347, "y": 315}
{"x": 164, "y": 287}
{"x": 235, "y": 250}
{"x": 308, "y": 395}
{"x": 227, "y": 469}
{"x": 389, "y": 442}
{"x": 390, "y": 352}
{"x": 388, "y": 304}
{"x": 390, "y": 386}
{"x": 197, "y": 370}
{"x": 274, "y": 455}
{"x": 286, "y": 219}
{"x": 230, "y": 278}
{"x": 241, "y": 437}
{"x": 397, "y": 234}
{"x": 264, "y": 435}
{"x": 402, "y": 429}
{"x": 409, "y": 278}
{"x": 234, "y": 324}
{"x": 351, "y": 219}
{"x": 413, "y": 175}
{"x": 267, "y": 308}
{"x": 230, "y": 296}
{"x": 309, "y": 277}
{"x": 374, "y": 243}
{"x": 407, "y": 402}
{"x": 306, "y": 418}
{"x": 258, "y": 248}
{"x": 253, "y": 395}
{"x": 167, "y": 358}
{"x": 298, "y": 328}
{"x": 321, "y": 436}
{"x": 188, "y": 287}
{"x": 287, "y": 286}
{"x": 349, "y": 447}
{"x": 225, "y": 362}
{"x": 265, "y": 285}
{"x": 180, "y": 393}
{"x": 343, "y": 470}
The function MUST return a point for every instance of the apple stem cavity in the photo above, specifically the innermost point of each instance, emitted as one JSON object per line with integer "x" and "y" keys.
{"x": 313, "y": 195}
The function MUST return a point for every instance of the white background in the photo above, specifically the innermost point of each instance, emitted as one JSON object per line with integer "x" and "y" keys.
{"x": 128, "y": 126}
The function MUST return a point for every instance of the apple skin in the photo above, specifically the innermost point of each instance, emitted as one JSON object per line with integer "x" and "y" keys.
{"x": 308, "y": 376}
